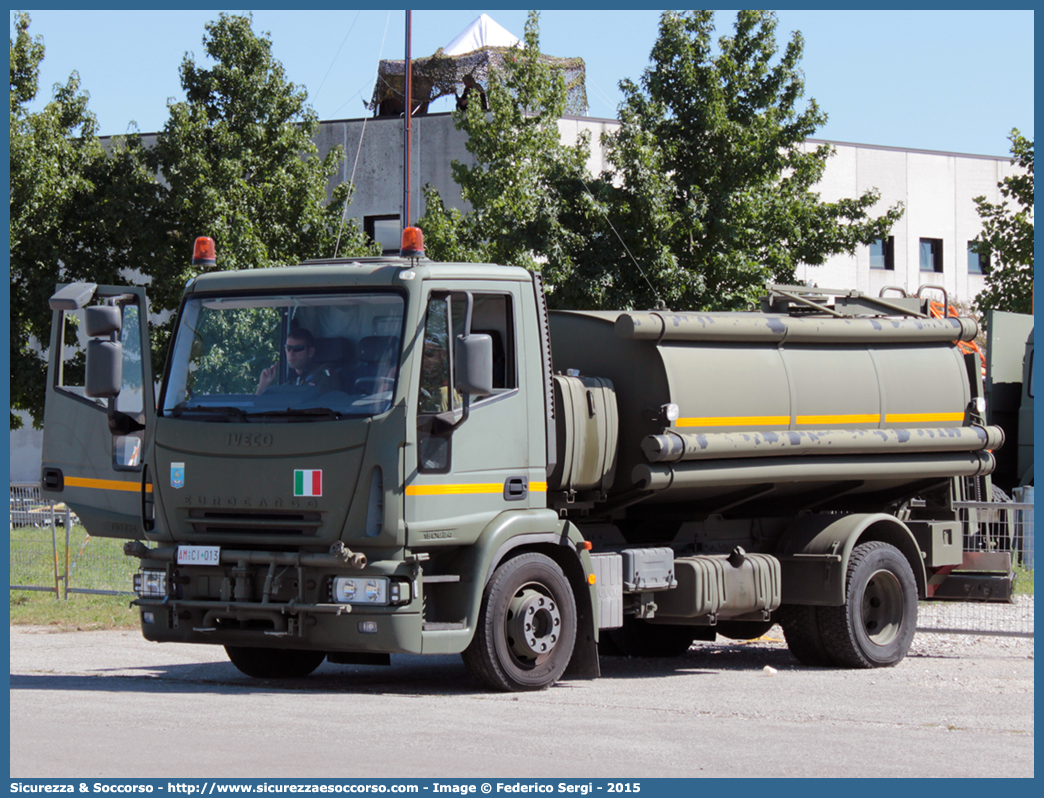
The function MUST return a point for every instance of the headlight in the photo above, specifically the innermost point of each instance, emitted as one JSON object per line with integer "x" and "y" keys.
{"x": 360, "y": 590}
{"x": 149, "y": 583}
{"x": 375, "y": 590}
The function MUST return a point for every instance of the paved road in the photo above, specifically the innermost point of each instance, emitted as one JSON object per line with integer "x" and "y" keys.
{"x": 110, "y": 704}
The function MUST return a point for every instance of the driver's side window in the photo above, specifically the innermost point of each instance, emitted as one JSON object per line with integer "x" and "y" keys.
{"x": 434, "y": 395}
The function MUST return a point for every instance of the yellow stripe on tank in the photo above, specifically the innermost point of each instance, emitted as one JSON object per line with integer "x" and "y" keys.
{"x": 916, "y": 418}
{"x": 850, "y": 418}
{"x": 733, "y": 421}
{"x": 824, "y": 420}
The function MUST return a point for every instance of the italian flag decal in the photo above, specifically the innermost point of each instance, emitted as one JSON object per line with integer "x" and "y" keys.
{"x": 308, "y": 483}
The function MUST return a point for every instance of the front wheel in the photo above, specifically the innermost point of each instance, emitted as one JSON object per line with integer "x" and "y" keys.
{"x": 274, "y": 663}
{"x": 526, "y": 627}
{"x": 875, "y": 626}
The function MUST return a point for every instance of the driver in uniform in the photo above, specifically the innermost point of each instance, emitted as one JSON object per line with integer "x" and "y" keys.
{"x": 300, "y": 353}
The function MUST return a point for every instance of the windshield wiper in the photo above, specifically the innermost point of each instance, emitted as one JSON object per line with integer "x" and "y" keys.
{"x": 290, "y": 412}
{"x": 224, "y": 410}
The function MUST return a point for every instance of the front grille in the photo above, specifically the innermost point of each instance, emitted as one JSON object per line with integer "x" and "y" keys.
{"x": 264, "y": 522}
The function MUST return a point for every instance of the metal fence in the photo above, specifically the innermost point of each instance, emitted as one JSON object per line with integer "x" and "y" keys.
{"x": 51, "y": 552}
{"x": 1000, "y": 535}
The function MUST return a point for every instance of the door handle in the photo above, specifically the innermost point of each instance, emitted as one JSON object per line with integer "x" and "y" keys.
{"x": 52, "y": 479}
{"x": 516, "y": 488}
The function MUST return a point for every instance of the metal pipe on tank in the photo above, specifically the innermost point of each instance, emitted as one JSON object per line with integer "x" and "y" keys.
{"x": 743, "y": 328}
{"x": 746, "y": 471}
{"x": 673, "y": 447}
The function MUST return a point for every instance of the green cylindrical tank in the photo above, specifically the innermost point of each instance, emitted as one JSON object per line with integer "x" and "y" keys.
{"x": 848, "y": 412}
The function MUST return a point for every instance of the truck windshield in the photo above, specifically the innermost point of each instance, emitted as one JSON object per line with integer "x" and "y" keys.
{"x": 287, "y": 357}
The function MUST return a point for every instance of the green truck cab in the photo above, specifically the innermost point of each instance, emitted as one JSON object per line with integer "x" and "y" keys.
{"x": 350, "y": 459}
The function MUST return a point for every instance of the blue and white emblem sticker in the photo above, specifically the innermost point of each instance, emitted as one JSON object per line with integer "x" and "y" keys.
{"x": 177, "y": 475}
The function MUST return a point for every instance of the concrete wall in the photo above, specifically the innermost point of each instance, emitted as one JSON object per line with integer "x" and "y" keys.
{"x": 936, "y": 189}
{"x": 373, "y": 159}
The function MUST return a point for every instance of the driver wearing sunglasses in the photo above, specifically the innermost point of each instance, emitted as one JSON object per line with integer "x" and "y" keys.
{"x": 300, "y": 350}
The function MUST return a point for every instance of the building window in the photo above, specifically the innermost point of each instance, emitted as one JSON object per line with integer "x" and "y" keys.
{"x": 931, "y": 255}
{"x": 882, "y": 253}
{"x": 385, "y": 230}
{"x": 977, "y": 263}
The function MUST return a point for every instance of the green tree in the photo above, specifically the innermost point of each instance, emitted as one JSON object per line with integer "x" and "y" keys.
{"x": 716, "y": 182}
{"x": 710, "y": 192}
{"x": 240, "y": 166}
{"x": 77, "y": 213}
{"x": 524, "y": 183}
{"x": 1007, "y": 236}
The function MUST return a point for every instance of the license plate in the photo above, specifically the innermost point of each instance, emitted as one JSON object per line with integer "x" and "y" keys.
{"x": 199, "y": 555}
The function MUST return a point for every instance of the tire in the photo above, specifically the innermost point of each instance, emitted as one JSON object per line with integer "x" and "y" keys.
{"x": 876, "y": 625}
{"x": 638, "y": 638}
{"x": 275, "y": 663}
{"x": 801, "y": 630}
{"x": 743, "y": 630}
{"x": 526, "y": 627}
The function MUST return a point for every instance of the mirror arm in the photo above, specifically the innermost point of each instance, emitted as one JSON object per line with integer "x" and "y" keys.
{"x": 445, "y": 423}
{"x": 121, "y": 423}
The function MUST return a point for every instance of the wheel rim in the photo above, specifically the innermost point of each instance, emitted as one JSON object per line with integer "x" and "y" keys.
{"x": 882, "y": 607}
{"x": 533, "y": 625}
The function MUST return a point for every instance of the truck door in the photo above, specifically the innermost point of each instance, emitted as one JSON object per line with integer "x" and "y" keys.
{"x": 94, "y": 448}
{"x": 463, "y": 476}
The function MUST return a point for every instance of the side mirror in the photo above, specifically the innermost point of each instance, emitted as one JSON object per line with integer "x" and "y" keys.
{"x": 104, "y": 369}
{"x": 104, "y": 357}
{"x": 473, "y": 365}
{"x": 100, "y": 320}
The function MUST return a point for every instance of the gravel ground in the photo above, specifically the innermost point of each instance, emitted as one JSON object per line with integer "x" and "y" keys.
{"x": 959, "y": 706}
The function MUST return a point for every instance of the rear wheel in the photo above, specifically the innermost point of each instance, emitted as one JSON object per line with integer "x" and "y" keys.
{"x": 801, "y": 630}
{"x": 274, "y": 663}
{"x": 526, "y": 628}
{"x": 876, "y": 625}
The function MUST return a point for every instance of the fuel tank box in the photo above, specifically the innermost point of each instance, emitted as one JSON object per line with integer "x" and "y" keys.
{"x": 586, "y": 425}
{"x": 722, "y": 585}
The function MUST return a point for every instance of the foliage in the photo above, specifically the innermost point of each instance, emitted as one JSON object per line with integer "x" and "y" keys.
{"x": 710, "y": 191}
{"x": 77, "y": 212}
{"x": 716, "y": 182}
{"x": 524, "y": 182}
{"x": 231, "y": 348}
{"x": 241, "y": 166}
{"x": 235, "y": 161}
{"x": 1007, "y": 236}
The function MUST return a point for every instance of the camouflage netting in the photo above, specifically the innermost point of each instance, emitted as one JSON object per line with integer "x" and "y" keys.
{"x": 442, "y": 75}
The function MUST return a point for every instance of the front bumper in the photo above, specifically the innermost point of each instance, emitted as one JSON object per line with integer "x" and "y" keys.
{"x": 319, "y": 627}
{"x": 272, "y": 599}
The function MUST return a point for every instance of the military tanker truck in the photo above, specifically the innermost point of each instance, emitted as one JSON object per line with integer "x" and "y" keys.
{"x": 350, "y": 459}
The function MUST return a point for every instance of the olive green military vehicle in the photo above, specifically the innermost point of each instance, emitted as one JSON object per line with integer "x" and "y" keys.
{"x": 350, "y": 459}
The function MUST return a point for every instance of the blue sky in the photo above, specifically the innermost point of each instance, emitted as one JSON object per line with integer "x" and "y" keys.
{"x": 940, "y": 80}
